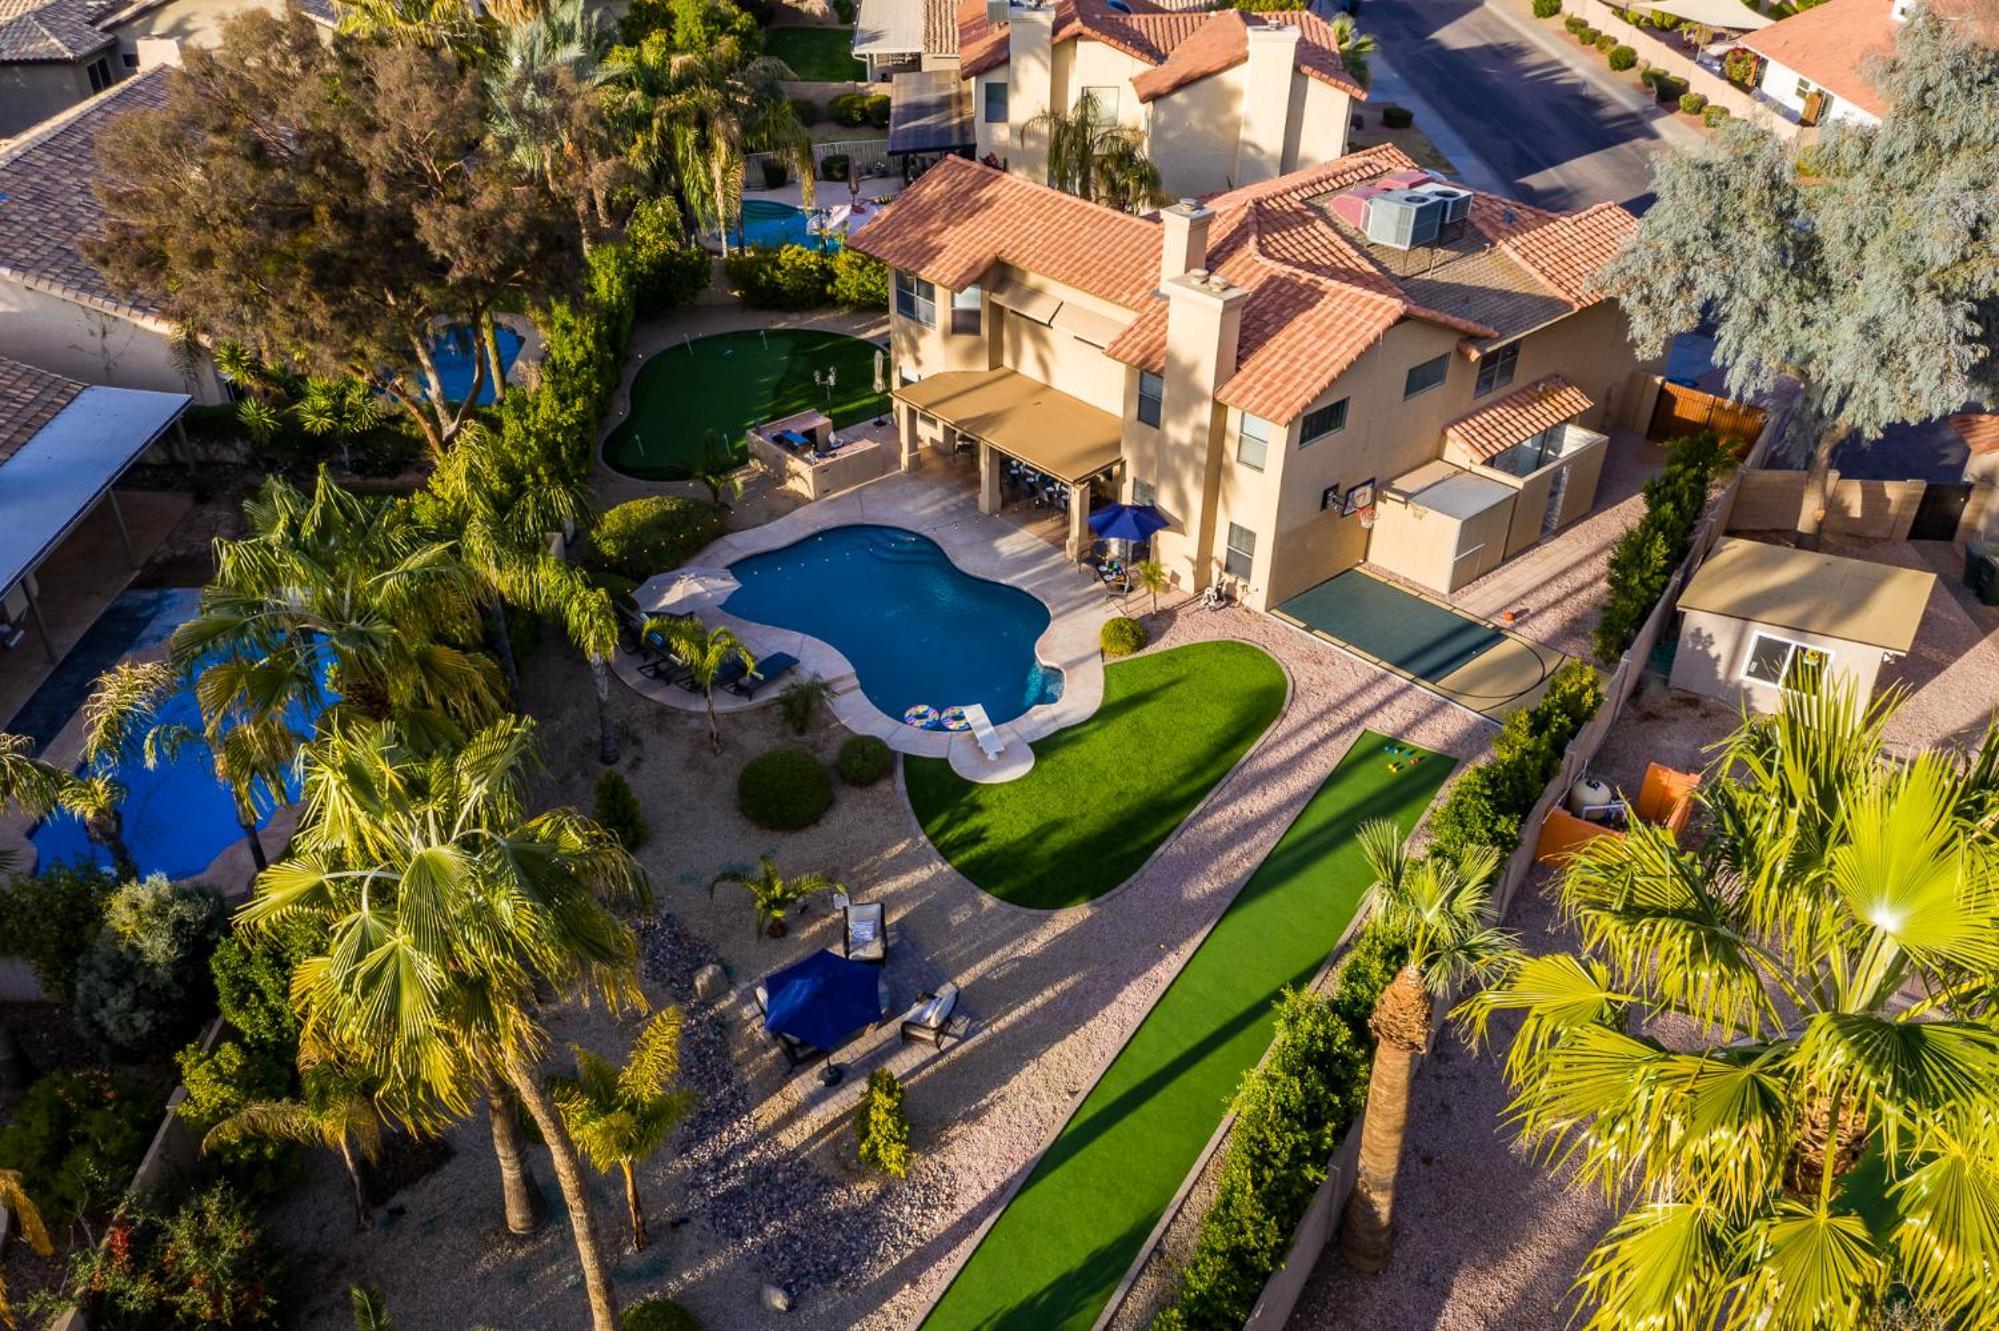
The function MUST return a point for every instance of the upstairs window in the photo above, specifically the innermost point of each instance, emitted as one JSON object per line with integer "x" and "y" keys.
{"x": 1151, "y": 392}
{"x": 996, "y": 102}
{"x": 965, "y": 310}
{"x": 1329, "y": 419}
{"x": 1103, "y": 102}
{"x": 100, "y": 75}
{"x": 1422, "y": 378}
{"x": 915, "y": 299}
{"x": 1495, "y": 369}
{"x": 1254, "y": 445}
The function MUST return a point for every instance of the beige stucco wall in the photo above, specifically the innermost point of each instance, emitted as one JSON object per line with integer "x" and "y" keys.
{"x": 193, "y": 22}
{"x": 60, "y": 335}
{"x": 31, "y": 93}
{"x": 1320, "y": 117}
{"x": 1585, "y": 468}
{"x": 1192, "y": 134}
{"x": 1714, "y": 648}
{"x": 1062, "y": 361}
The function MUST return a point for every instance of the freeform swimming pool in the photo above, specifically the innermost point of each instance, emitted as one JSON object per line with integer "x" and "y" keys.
{"x": 768, "y": 224}
{"x": 918, "y": 630}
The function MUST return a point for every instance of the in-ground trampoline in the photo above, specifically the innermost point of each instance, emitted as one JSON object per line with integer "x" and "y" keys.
{"x": 1473, "y": 663}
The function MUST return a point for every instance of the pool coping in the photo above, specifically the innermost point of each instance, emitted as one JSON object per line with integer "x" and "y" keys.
{"x": 976, "y": 544}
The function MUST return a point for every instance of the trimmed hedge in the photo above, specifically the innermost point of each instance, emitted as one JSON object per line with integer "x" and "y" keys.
{"x": 1622, "y": 58}
{"x": 1605, "y": 42}
{"x": 784, "y": 790}
{"x": 1575, "y": 23}
{"x": 1122, "y": 637}
{"x": 642, "y": 537}
{"x": 1487, "y": 804}
{"x": 668, "y": 270}
{"x": 798, "y": 278}
{"x": 1693, "y": 103}
{"x": 1669, "y": 88}
{"x": 864, "y": 760}
{"x": 1643, "y": 560}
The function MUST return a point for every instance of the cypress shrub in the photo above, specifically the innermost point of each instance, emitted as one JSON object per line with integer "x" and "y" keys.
{"x": 881, "y": 1125}
{"x": 618, "y": 810}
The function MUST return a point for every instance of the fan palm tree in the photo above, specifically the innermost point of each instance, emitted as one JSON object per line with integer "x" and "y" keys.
{"x": 1094, "y": 157}
{"x": 705, "y": 652}
{"x": 622, "y": 1116}
{"x": 1354, "y": 47}
{"x": 371, "y": 1310}
{"x": 1439, "y": 908}
{"x": 452, "y": 912}
{"x": 38, "y": 789}
{"x": 330, "y": 578}
{"x": 772, "y": 893}
{"x": 16, "y": 1202}
{"x": 1823, "y": 1123}
{"x": 337, "y": 1112}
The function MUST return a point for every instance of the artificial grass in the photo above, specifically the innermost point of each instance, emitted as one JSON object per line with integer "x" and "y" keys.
{"x": 1057, "y": 1252}
{"x": 816, "y": 55}
{"x": 1103, "y": 795}
{"x": 728, "y": 382}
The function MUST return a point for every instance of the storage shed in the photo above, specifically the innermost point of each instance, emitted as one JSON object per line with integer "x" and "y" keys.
{"x": 1758, "y": 618}
{"x": 1441, "y": 526}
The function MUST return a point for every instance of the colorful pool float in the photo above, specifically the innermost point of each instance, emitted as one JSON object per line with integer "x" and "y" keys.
{"x": 954, "y": 718}
{"x": 923, "y": 716}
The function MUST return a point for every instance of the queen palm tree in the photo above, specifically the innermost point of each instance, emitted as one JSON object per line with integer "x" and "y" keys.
{"x": 772, "y": 893}
{"x": 451, "y": 24}
{"x": 1438, "y": 907}
{"x": 705, "y": 652}
{"x": 39, "y": 788}
{"x": 546, "y": 112}
{"x": 452, "y": 913}
{"x": 721, "y": 474}
{"x": 1776, "y": 1051}
{"x": 16, "y": 1202}
{"x": 336, "y": 1111}
{"x": 1150, "y": 574}
{"x": 591, "y": 621}
{"x": 1093, "y": 157}
{"x": 370, "y": 1309}
{"x": 621, "y": 1117}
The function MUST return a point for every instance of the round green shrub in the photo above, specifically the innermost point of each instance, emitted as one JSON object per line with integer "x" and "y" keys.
{"x": 849, "y": 108}
{"x": 1575, "y": 23}
{"x": 784, "y": 790}
{"x": 1693, "y": 103}
{"x": 1397, "y": 117}
{"x": 1669, "y": 88}
{"x": 807, "y": 110}
{"x": 647, "y": 536}
{"x": 1587, "y": 35}
{"x": 876, "y": 109}
{"x": 659, "y": 1314}
{"x": 1713, "y": 116}
{"x": 864, "y": 760}
{"x": 1606, "y": 42}
{"x": 1122, "y": 636}
{"x": 1622, "y": 58}
{"x": 1547, "y": 8}
{"x": 834, "y": 167}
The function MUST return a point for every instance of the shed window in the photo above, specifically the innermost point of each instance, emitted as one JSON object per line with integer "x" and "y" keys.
{"x": 1781, "y": 663}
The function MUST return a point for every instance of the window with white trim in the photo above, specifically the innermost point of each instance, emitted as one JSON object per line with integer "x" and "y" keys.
{"x": 1329, "y": 419}
{"x": 1240, "y": 560}
{"x": 1254, "y": 445}
{"x": 1495, "y": 368}
{"x": 996, "y": 101}
{"x": 1105, "y": 99}
{"x": 915, "y": 299}
{"x": 965, "y": 308}
{"x": 1422, "y": 378}
{"x": 1151, "y": 393}
{"x": 1781, "y": 663}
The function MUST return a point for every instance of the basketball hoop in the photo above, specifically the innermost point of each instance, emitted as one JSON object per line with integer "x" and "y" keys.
{"x": 1367, "y": 517}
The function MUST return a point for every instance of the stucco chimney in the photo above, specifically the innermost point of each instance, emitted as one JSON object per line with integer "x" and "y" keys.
{"x": 1030, "y": 78}
{"x": 1266, "y": 102}
{"x": 1183, "y": 242}
{"x": 1203, "y": 327}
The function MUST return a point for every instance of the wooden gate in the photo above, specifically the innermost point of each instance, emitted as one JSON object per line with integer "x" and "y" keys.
{"x": 1682, "y": 411}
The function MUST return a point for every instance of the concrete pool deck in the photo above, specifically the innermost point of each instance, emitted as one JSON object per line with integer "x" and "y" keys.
{"x": 985, "y": 547}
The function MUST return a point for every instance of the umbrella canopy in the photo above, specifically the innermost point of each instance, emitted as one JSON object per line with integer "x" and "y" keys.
{"x": 1126, "y": 522}
{"x": 683, "y": 589}
{"x": 823, "y": 999}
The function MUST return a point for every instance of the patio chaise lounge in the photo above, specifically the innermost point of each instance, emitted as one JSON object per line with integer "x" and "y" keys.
{"x": 931, "y": 1020}
{"x": 731, "y": 671}
{"x": 866, "y": 934}
{"x": 989, "y": 739}
{"x": 769, "y": 670}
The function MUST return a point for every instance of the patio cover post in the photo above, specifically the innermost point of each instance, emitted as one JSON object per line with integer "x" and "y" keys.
{"x": 1079, "y": 520}
{"x": 989, "y": 479}
{"x": 35, "y": 609}
{"x": 124, "y": 535}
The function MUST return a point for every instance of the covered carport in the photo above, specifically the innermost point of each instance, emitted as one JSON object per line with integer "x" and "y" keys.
{"x": 1010, "y": 415}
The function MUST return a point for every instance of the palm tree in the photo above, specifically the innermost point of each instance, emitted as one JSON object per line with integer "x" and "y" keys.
{"x": 337, "y": 1112}
{"x": 800, "y": 701}
{"x": 1094, "y": 157}
{"x": 545, "y": 109}
{"x": 622, "y": 1116}
{"x": 1822, "y": 1123}
{"x": 705, "y": 652}
{"x": 720, "y": 473}
{"x": 591, "y": 620}
{"x": 452, "y": 913}
{"x": 772, "y": 893}
{"x": 1354, "y": 47}
{"x": 1439, "y": 908}
{"x": 450, "y": 24}
{"x": 38, "y": 789}
{"x": 371, "y": 1310}
{"x": 1151, "y": 575}
{"x": 16, "y": 1202}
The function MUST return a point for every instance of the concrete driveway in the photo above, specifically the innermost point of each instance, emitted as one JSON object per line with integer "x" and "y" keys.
{"x": 1546, "y": 122}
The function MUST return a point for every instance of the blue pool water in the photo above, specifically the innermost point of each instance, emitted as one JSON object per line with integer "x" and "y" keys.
{"x": 178, "y": 818}
{"x": 768, "y": 224}
{"x": 917, "y": 629}
{"x": 454, "y": 352}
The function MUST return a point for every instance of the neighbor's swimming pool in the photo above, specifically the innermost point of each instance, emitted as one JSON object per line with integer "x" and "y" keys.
{"x": 454, "y": 352}
{"x": 917, "y": 629}
{"x": 768, "y": 224}
{"x": 177, "y": 817}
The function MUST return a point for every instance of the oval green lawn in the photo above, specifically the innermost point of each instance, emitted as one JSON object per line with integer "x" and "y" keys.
{"x": 1103, "y": 795}
{"x": 728, "y": 382}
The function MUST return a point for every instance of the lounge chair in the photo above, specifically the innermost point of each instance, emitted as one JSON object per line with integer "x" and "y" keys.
{"x": 866, "y": 934}
{"x": 931, "y": 1020}
{"x": 731, "y": 671}
{"x": 768, "y": 671}
{"x": 989, "y": 739}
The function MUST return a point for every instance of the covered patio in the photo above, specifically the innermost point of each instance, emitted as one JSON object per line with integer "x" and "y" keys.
{"x": 1008, "y": 416}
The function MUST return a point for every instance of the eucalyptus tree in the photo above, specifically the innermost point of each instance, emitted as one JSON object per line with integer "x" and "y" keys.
{"x": 453, "y": 913}
{"x": 622, "y": 1116}
{"x": 1776, "y": 1051}
{"x": 1866, "y": 263}
{"x": 1093, "y": 157}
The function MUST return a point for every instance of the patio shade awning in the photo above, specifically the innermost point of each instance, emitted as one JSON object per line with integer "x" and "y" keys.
{"x": 1520, "y": 415}
{"x": 930, "y": 112}
{"x": 1024, "y": 418}
{"x": 1026, "y": 301}
{"x": 1730, "y": 14}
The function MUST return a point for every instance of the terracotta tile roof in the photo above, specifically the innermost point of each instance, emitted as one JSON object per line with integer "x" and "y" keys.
{"x": 1183, "y": 45}
{"x": 34, "y": 31}
{"x": 940, "y": 27}
{"x": 1521, "y": 414}
{"x": 47, "y": 204}
{"x": 1978, "y": 429}
{"x": 1832, "y": 44}
{"x": 29, "y": 399}
{"x": 1320, "y": 296}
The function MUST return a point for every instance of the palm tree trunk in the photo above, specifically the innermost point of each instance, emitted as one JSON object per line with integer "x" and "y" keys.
{"x": 526, "y": 1209}
{"x": 721, "y": 202}
{"x": 108, "y": 830}
{"x": 1818, "y": 473}
{"x": 503, "y": 641}
{"x": 1365, "y": 1237}
{"x": 257, "y": 856}
{"x": 575, "y": 1192}
{"x": 489, "y": 334}
{"x": 633, "y": 1208}
{"x": 362, "y": 1216}
{"x": 607, "y": 743}
{"x": 714, "y": 726}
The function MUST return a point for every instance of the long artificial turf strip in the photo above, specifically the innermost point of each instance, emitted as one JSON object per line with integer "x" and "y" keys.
{"x": 1059, "y": 1249}
{"x": 727, "y": 382}
{"x": 1104, "y": 794}
{"x": 816, "y": 55}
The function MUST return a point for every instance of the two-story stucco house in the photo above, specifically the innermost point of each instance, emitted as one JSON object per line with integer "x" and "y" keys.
{"x": 1349, "y": 361}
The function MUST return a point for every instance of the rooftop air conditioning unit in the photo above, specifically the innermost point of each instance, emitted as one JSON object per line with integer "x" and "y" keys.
{"x": 1404, "y": 218}
{"x": 1457, "y": 202}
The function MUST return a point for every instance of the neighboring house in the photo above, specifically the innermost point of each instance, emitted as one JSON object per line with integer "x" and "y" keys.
{"x": 1980, "y": 432}
{"x": 1761, "y": 619}
{"x": 896, "y": 35}
{"x": 1220, "y": 99}
{"x": 56, "y": 310}
{"x": 56, "y": 53}
{"x": 1819, "y": 62}
{"x": 1260, "y": 365}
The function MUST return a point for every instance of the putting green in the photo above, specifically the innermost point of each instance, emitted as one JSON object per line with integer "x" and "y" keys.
{"x": 1102, "y": 795}
{"x": 728, "y": 382}
{"x": 1056, "y": 1254}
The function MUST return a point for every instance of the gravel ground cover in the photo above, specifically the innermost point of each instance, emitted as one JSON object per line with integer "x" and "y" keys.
{"x": 1103, "y": 795}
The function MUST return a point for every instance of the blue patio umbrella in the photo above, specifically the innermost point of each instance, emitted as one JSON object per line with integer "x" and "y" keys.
{"x": 1126, "y": 522}
{"x": 823, "y": 999}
